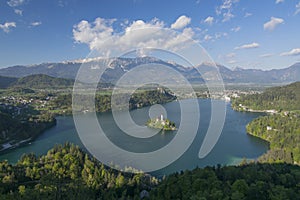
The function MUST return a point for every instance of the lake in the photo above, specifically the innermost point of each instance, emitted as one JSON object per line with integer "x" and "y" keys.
{"x": 232, "y": 147}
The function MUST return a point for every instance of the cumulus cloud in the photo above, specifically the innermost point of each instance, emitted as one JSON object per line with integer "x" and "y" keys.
{"x": 226, "y": 9}
{"x": 236, "y": 29}
{"x": 248, "y": 46}
{"x": 18, "y": 12}
{"x": 35, "y": 23}
{"x": 297, "y": 8}
{"x": 293, "y": 52}
{"x": 279, "y": 1}
{"x": 15, "y": 3}
{"x": 271, "y": 25}
{"x": 7, "y": 26}
{"x": 100, "y": 35}
{"x": 209, "y": 20}
{"x": 181, "y": 22}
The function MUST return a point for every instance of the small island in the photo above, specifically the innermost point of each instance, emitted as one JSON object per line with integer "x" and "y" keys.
{"x": 161, "y": 123}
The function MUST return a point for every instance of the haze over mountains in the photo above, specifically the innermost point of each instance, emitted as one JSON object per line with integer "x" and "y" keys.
{"x": 119, "y": 66}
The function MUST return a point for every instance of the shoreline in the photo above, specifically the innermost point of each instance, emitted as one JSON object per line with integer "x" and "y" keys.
{"x": 13, "y": 144}
{"x": 70, "y": 114}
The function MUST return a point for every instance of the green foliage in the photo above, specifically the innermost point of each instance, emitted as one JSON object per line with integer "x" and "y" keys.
{"x": 150, "y": 97}
{"x": 5, "y": 82}
{"x": 252, "y": 181}
{"x": 140, "y": 98}
{"x": 13, "y": 130}
{"x": 165, "y": 125}
{"x": 283, "y": 132}
{"x": 278, "y": 98}
{"x": 42, "y": 81}
{"x": 66, "y": 172}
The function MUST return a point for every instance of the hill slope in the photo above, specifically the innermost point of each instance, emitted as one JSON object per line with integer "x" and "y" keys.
{"x": 278, "y": 98}
{"x": 5, "y": 82}
{"x": 281, "y": 128}
{"x": 41, "y": 81}
{"x": 67, "y": 172}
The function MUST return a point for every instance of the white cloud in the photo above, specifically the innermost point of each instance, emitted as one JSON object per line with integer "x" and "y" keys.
{"x": 230, "y": 55}
{"x": 232, "y": 62}
{"x": 207, "y": 37}
{"x": 230, "y": 58}
{"x": 18, "y": 12}
{"x": 248, "y": 14}
{"x": 226, "y": 9}
{"x": 279, "y": 1}
{"x": 271, "y": 25}
{"x": 15, "y": 3}
{"x": 181, "y": 22}
{"x": 35, "y": 23}
{"x": 100, "y": 35}
{"x": 297, "y": 8}
{"x": 293, "y": 52}
{"x": 248, "y": 46}
{"x": 266, "y": 55}
{"x": 209, "y": 20}
{"x": 6, "y": 26}
{"x": 227, "y": 16}
{"x": 236, "y": 29}
{"x": 62, "y": 3}
{"x": 219, "y": 35}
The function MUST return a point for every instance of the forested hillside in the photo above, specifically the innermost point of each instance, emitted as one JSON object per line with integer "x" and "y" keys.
{"x": 278, "y": 98}
{"x": 281, "y": 128}
{"x": 5, "y": 82}
{"x": 250, "y": 181}
{"x": 283, "y": 132}
{"x": 42, "y": 81}
{"x": 66, "y": 172}
{"x": 14, "y": 132}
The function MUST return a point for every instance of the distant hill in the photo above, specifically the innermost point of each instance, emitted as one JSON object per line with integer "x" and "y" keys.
{"x": 279, "y": 98}
{"x": 40, "y": 81}
{"x": 119, "y": 66}
{"x": 36, "y": 81}
{"x": 5, "y": 82}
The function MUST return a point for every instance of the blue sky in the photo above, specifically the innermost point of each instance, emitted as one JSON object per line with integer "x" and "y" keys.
{"x": 260, "y": 34}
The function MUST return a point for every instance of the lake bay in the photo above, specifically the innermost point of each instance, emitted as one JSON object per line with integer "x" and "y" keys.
{"x": 233, "y": 145}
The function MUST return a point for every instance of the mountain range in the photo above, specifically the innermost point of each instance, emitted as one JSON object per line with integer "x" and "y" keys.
{"x": 119, "y": 66}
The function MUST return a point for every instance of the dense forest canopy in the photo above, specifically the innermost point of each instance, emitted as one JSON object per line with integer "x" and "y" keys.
{"x": 278, "y": 98}
{"x": 42, "y": 81}
{"x": 282, "y": 127}
{"x": 283, "y": 132}
{"x": 67, "y": 172}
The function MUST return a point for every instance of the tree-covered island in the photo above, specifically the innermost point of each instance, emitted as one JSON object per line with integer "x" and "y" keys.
{"x": 161, "y": 123}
